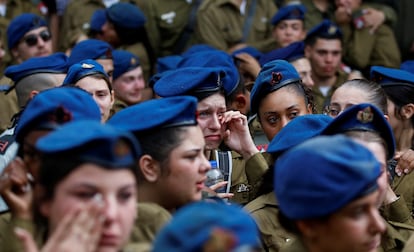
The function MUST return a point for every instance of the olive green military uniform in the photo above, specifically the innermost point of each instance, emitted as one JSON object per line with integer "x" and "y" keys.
{"x": 264, "y": 210}
{"x": 322, "y": 101}
{"x": 361, "y": 49}
{"x": 166, "y": 23}
{"x": 404, "y": 28}
{"x": 8, "y": 240}
{"x": 314, "y": 16}
{"x": 409, "y": 246}
{"x": 118, "y": 106}
{"x": 400, "y": 225}
{"x": 8, "y": 103}
{"x": 403, "y": 186}
{"x": 151, "y": 219}
{"x": 246, "y": 176}
{"x": 75, "y": 20}
{"x": 220, "y": 24}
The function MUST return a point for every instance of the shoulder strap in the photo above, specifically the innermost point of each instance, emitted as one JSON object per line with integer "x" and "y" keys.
{"x": 188, "y": 29}
{"x": 248, "y": 21}
{"x": 225, "y": 164}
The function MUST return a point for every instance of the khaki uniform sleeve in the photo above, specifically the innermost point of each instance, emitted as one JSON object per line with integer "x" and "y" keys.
{"x": 363, "y": 49}
{"x": 256, "y": 166}
{"x": 398, "y": 211}
{"x": 208, "y": 30}
{"x": 9, "y": 241}
{"x": 151, "y": 26}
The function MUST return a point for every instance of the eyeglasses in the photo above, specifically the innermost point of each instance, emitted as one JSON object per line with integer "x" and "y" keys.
{"x": 32, "y": 39}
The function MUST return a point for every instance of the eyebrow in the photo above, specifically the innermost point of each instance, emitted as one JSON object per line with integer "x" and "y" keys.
{"x": 294, "y": 106}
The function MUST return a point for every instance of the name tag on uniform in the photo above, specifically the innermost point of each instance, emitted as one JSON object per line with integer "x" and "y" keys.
{"x": 168, "y": 17}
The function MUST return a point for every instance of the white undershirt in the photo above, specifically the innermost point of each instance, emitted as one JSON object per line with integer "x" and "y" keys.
{"x": 109, "y": 3}
{"x": 243, "y": 7}
{"x": 3, "y": 10}
{"x": 324, "y": 90}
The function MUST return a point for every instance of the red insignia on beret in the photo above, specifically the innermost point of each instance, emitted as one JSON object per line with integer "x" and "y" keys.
{"x": 121, "y": 149}
{"x": 60, "y": 115}
{"x": 276, "y": 78}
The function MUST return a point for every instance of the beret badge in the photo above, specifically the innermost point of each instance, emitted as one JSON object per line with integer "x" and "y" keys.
{"x": 87, "y": 66}
{"x": 61, "y": 115}
{"x": 276, "y": 78}
{"x": 332, "y": 30}
{"x": 366, "y": 115}
{"x": 133, "y": 61}
{"x": 121, "y": 149}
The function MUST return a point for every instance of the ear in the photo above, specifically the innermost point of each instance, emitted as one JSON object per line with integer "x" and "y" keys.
{"x": 240, "y": 102}
{"x": 33, "y": 93}
{"x": 309, "y": 108}
{"x": 150, "y": 168}
{"x": 407, "y": 111}
{"x": 112, "y": 98}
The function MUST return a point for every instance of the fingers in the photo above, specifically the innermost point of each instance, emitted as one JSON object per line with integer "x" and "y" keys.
{"x": 225, "y": 195}
{"x": 218, "y": 185}
{"x": 26, "y": 238}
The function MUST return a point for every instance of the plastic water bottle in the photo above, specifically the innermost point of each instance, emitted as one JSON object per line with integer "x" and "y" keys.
{"x": 214, "y": 176}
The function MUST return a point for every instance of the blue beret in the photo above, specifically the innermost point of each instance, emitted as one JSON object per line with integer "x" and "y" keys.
{"x": 218, "y": 59}
{"x": 297, "y": 131}
{"x": 273, "y": 76}
{"x": 198, "y": 48}
{"x": 386, "y": 76}
{"x": 338, "y": 170}
{"x": 408, "y": 66}
{"x": 294, "y": 51}
{"x": 170, "y": 112}
{"x": 363, "y": 117}
{"x": 249, "y": 50}
{"x": 168, "y": 63}
{"x": 124, "y": 61}
{"x": 326, "y": 29}
{"x": 126, "y": 15}
{"x": 53, "y": 107}
{"x": 189, "y": 81}
{"x": 90, "y": 49}
{"x": 20, "y": 25}
{"x": 92, "y": 141}
{"x": 83, "y": 69}
{"x": 98, "y": 19}
{"x": 198, "y": 223}
{"x": 289, "y": 12}
{"x": 54, "y": 63}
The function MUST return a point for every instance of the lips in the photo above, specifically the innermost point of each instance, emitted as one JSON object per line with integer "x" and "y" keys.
{"x": 109, "y": 240}
{"x": 213, "y": 138}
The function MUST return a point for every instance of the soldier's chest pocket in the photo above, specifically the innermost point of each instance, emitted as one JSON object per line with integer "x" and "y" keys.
{"x": 170, "y": 24}
{"x": 261, "y": 27}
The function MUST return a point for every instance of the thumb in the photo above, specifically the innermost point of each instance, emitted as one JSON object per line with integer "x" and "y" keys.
{"x": 26, "y": 238}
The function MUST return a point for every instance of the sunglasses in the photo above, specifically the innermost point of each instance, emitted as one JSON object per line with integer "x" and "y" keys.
{"x": 32, "y": 39}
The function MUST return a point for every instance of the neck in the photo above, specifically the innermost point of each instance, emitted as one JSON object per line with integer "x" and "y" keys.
{"x": 324, "y": 81}
{"x": 147, "y": 193}
{"x": 404, "y": 136}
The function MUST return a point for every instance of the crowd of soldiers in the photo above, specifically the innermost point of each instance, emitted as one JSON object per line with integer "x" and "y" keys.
{"x": 112, "y": 111}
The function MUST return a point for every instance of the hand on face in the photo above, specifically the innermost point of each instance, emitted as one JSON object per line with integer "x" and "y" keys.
{"x": 237, "y": 134}
{"x": 16, "y": 189}
{"x": 79, "y": 230}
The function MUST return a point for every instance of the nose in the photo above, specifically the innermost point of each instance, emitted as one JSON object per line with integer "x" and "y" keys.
{"x": 283, "y": 121}
{"x": 215, "y": 122}
{"x": 205, "y": 165}
{"x": 40, "y": 42}
{"x": 110, "y": 209}
{"x": 377, "y": 222}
